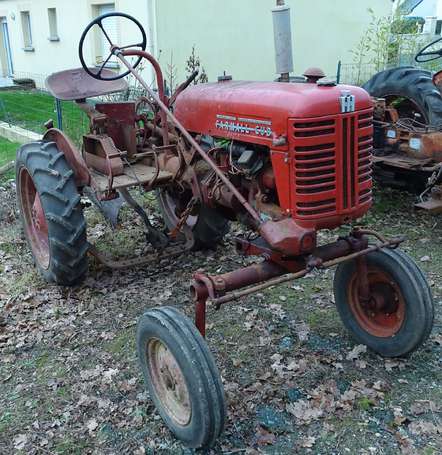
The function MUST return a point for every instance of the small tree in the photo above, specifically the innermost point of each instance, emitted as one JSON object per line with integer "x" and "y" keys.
{"x": 384, "y": 41}
{"x": 171, "y": 74}
{"x": 194, "y": 63}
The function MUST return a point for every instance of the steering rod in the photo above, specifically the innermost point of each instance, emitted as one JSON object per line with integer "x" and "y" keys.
{"x": 160, "y": 100}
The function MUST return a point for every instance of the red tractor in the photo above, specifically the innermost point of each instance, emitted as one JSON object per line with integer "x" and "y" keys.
{"x": 284, "y": 159}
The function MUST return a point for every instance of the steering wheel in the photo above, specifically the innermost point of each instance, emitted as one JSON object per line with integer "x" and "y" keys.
{"x": 112, "y": 46}
{"x": 426, "y": 55}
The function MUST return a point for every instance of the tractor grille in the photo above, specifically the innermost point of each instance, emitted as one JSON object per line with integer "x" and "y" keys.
{"x": 332, "y": 164}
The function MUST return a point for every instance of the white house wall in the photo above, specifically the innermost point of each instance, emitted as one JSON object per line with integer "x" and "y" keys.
{"x": 230, "y": 35}
{"x": 72, "y": 17}
{"x": 237, "y": 36}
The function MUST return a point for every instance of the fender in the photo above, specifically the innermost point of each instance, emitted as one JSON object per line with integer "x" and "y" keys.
{"x": 72, "y": 154}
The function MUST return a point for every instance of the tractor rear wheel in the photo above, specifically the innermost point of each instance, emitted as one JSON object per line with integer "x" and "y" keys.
{"x": 398, "y": 317}
{"x": 181, "y": 376}
{"x": 51, "y": 213}
{"x": 208, "y": 227}
{"x": 411, "y": 91}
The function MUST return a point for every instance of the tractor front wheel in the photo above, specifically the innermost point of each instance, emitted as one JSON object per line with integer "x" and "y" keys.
{"x": 51, "y": 213}
{"x": 181, "y": 376}
{"x": 398, "y": 316}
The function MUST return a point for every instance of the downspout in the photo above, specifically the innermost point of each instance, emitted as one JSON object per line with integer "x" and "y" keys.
{"x": 154, "y": 29}
{"x": 153, "y": 33}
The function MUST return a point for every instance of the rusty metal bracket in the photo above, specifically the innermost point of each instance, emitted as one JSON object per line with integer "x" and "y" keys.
{"x": 187, "y": 212}
{"x": 235, "y": 295}
{"x": 156, "y": 238}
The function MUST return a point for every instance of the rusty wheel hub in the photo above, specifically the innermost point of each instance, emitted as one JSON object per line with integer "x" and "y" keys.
{"x": 383, "y": 314}
{"x": 35, "y": 223}
{"x": 168, "y": 381}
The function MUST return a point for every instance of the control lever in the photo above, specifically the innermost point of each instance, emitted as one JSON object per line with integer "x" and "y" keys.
{"x": 183, "y": 87}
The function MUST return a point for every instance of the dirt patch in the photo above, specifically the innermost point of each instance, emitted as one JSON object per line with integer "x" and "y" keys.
{"x": 295, "y": 382}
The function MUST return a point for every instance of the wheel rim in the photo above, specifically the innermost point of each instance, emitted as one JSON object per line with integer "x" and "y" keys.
{"x": 384, "y": 314}
{"x": 35, "y": 223}
{"x": 169, "y": 383}
{"x": 406, "y": 107}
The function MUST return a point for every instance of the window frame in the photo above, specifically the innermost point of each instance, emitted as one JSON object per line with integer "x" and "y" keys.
{"x": 53, "y": 25}
{"x": 97, "y": 10}
{"x": 25, "y": 17}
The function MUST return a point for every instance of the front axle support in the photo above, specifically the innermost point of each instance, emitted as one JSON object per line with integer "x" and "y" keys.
{"x": 231, "y": 286}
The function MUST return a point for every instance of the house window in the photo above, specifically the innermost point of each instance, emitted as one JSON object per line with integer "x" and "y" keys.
{"x": 27, "y": 31}
{"x": 438, "y": 27}
{"x": 53, "y": 30}
{"x": 102, "y": 45}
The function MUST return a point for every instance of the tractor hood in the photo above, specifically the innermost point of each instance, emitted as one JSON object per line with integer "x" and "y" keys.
{"x": 259, "y": 111}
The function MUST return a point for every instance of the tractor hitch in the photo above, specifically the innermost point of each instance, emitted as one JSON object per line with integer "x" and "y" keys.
{"x": 221, "y": 289}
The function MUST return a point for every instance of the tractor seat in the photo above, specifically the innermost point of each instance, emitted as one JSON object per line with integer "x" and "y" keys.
{"x": 76, "y": 84}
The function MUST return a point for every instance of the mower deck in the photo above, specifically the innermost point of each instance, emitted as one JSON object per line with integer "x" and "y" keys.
{"x": 402, "y": 161}
{"x": 135, "y": 174}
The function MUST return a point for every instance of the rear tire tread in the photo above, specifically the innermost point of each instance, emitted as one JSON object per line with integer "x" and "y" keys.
{"x": 55, "y": 183}
{"x": 413, "y": 83}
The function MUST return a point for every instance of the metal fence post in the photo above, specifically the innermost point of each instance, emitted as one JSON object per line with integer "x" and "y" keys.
{"x": 59, "y": 114}
{"x": 6, "y": 116}
{"x": 338, "y": 72}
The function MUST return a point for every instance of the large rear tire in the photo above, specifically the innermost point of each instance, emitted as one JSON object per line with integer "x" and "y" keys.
{"x": 399, "y": 315}
{"x": 51, "y": 214}
{"x": 181, "y": 376}
{"x": 405, "y": 85}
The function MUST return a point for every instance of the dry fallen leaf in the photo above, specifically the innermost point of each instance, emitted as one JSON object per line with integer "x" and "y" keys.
{"x": 356, "y": 352}
{"x": 421, "y": 407}
{"x": 264, "y": 437}
{"x": 303, "y": 411}
{"x": 92, "y": 425}
{"x": 424, "y": 427}
{"x": 20, "y": 441}
{"x": 308, "y": 442}
{"x": 302, "y": 330}
{"x": 109, "y": 374}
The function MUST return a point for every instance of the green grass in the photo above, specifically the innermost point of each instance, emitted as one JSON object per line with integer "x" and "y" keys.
{"x": 7, "y": 154}
{"x": 31, "y": 109}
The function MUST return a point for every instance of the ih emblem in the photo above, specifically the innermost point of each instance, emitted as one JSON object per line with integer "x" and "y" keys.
{"x": 347, "y": 102}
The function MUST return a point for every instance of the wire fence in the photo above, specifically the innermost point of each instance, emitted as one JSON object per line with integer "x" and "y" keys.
{"x": 28, "y": 106}
{"x": 29, "y": 109}
{"x": 360, "y": 73}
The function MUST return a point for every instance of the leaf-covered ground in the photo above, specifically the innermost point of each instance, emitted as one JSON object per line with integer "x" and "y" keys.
{"x": 295, "y": 382}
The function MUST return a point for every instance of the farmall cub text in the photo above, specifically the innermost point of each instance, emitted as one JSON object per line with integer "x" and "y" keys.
{"x": 284, "y": 159}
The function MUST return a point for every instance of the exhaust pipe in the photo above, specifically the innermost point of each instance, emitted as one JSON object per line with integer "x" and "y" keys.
{"x": 283, "y": 40}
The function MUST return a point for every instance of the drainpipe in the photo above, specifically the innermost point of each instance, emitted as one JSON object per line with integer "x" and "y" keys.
{"x": 153, "y": 32}
{"x": 283, "y": 40}
{"x": 154, "y": 29}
